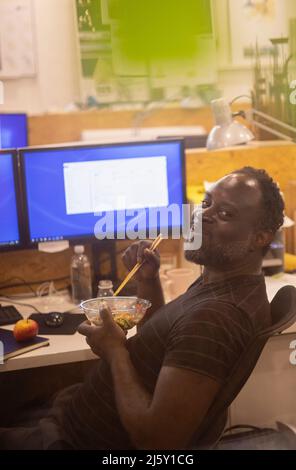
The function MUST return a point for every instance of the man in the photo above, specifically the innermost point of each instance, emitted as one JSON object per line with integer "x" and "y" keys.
{"x": 154, "y": 390}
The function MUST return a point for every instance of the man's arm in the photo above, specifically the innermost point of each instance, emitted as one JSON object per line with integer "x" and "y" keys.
{"x": 169, "y": 418}
{"x": 151, "y": 289}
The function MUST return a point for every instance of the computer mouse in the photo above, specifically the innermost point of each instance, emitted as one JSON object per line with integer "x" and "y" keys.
{"x": 54, "y": 319}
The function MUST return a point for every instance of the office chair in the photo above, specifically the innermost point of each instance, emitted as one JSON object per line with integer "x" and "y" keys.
{"x": 283, "y": 315}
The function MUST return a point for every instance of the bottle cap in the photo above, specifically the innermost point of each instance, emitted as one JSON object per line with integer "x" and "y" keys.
{"x": 105, "y": 284}
{"x": 79, "y": 249}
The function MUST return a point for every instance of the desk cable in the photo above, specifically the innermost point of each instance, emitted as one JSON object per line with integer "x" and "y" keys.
{"x": 6, "y": 298}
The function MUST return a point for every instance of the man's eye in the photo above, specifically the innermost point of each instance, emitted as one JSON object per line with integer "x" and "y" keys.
{"x": 225, "y": 214}
{"x": 205, "y": 203}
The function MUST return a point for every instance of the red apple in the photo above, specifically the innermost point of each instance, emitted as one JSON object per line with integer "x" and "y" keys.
{"x": 25, "y": 330}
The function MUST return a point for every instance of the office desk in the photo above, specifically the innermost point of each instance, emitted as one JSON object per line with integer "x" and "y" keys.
{"x": 65, "y": 349}
{"x": 62, "y": 349}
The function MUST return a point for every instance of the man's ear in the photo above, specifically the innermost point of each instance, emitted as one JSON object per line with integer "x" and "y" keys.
{"x": 263, "y": 238}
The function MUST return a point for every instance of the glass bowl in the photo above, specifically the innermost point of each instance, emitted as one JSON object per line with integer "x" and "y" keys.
{"x": 127, "y": 311}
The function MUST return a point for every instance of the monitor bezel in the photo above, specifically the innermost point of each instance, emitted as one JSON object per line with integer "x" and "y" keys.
{"x": 26, "y": 124}
{"x": 19, "y": 202}
{"x": 87, "y": 238}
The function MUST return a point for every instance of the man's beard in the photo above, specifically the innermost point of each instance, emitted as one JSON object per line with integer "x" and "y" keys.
{"x": 223, "y": 256}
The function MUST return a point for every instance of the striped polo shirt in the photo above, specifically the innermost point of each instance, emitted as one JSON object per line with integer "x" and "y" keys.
{"x": 204, "y": 330}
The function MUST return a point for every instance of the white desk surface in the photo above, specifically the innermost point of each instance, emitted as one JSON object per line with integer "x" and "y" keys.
{"x": 73, "y": 348}
{"x": 62, "y": 348}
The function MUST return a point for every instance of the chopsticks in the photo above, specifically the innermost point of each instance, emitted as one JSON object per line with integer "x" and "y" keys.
{"x": 137, "y": 266}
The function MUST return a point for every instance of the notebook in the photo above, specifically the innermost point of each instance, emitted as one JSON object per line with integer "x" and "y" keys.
{"x": 14, "y": 348}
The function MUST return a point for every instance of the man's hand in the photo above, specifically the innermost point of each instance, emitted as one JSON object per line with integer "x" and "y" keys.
{"x": 138, "y": 252}
{"x": 107, "y": 340}
{"x": 149, "y": 286}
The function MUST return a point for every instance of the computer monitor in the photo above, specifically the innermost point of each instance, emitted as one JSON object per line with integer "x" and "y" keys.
{"x": 13, "y": 131}
{"x": 71, "y": 191}
{"x": 9, "y": 202}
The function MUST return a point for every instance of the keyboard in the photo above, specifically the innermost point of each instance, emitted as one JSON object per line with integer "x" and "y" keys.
{"x": 9, "y": 315}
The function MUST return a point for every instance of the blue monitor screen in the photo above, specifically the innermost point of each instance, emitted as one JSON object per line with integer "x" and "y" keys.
{"x": 88, "y": 190}
{"x": 13, "y": 131}
{"x": 9, "y": 229}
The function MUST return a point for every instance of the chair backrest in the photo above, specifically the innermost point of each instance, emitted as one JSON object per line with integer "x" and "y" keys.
{"x": 283, "y": 314}
{"x": 283, "y": 309}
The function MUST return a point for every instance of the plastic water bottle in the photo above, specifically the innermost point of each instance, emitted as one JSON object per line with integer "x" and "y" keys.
{"x": 80, "y": 275}
{"x": 105, "y": 289}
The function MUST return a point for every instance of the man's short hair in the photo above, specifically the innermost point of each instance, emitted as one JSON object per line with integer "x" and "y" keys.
{"x": 272, "y": 202}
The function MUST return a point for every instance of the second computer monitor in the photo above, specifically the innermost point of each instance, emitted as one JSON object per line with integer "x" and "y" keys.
{"x": 13, "y": 130}
{"x": 86, "y": 191}
{"x": 9, "y": 202}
